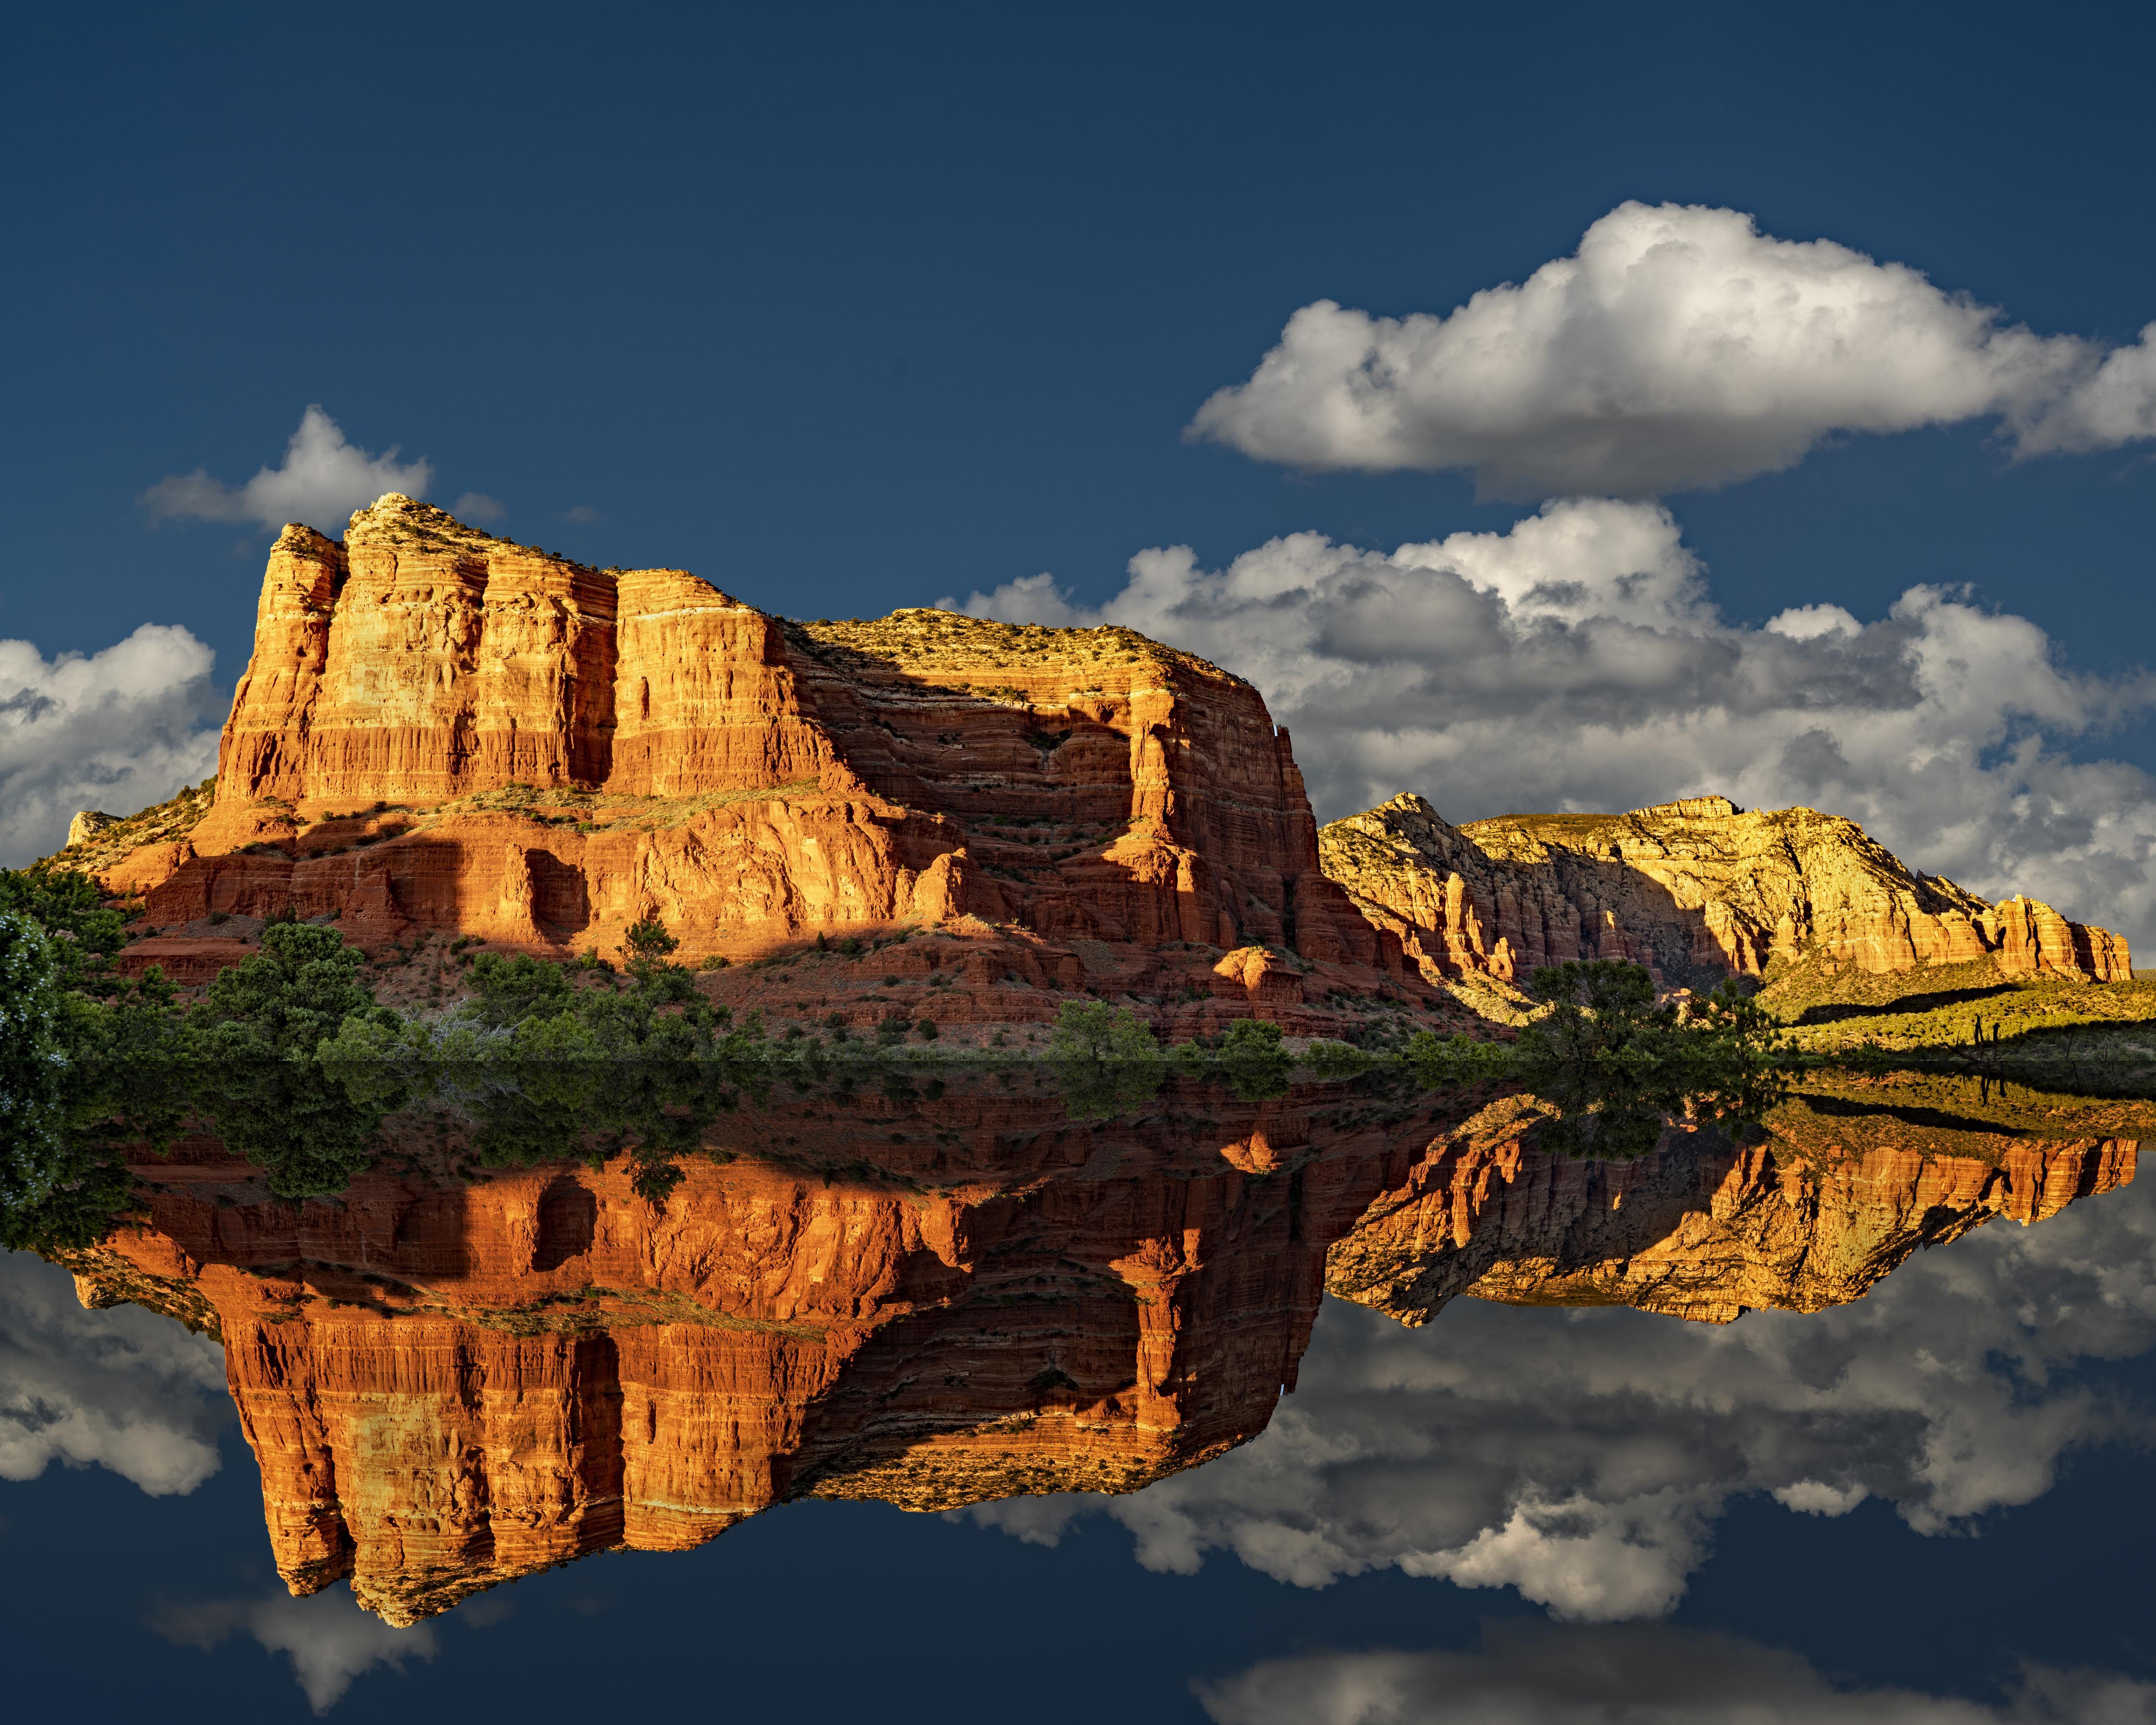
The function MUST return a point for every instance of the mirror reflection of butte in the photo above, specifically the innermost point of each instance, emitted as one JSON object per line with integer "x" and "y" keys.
{"x": 447, "y": 1387}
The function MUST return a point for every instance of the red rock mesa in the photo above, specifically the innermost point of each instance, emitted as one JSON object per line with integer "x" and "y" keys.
{"x": 441, "y": 730}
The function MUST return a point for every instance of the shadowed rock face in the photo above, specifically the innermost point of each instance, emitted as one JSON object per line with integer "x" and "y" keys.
{"x": 447, "y": 1387}
{"x": 414, "y": 687}
{"x": 1695, "y": 890}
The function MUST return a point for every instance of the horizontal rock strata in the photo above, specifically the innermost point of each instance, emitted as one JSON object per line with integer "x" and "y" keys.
{"x": 441, "y": 731}
{"x": 446, "y": 1387}
{"x": 1696, "y": 891}
{"x": 1832, "y": 1199}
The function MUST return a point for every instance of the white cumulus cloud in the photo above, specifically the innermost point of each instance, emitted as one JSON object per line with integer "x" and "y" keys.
{"x": 122, "y": 1388}
{"x": 1679, "y": 347}
{"x": 1582, "y": 1457}
{"x": 1578, "y": 661}
{"x": 1537, "y": 1674}
{"x": 117, "y": 730}
{"x": 329, "y": 1640}
{"x": 323, "y": 479}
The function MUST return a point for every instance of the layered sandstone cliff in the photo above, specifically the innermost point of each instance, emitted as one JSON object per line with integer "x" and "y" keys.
{"x": 1695, "y": 890}
{"x": 441, "y": 730}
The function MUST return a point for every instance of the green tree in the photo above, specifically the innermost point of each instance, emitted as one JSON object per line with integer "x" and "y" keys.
{"x": 297, "y": 989}
{"x": 647, "y": 944}
{"x": 32, "y": 1066}
{"x": 1617, "y": 1063}
{"x": 509, "y": 989}
{"x": 1105, "y": 1058}
{"x": 1441, "y": 1062}
{"x": 1252, "y": 1060}
{"x": 256, "y": 1047}
{"x": 70, "y": 908}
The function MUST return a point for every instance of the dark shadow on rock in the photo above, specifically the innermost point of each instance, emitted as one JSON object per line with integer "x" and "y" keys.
{"x": 1833, "y": 1011}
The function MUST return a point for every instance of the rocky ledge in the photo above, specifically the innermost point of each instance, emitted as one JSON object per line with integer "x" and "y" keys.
{"x": 1695, "y": 890}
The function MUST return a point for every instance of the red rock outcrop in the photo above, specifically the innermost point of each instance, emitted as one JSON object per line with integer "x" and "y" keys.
{"x": 1695, "y": 890}
{"x": 441, "y": 731}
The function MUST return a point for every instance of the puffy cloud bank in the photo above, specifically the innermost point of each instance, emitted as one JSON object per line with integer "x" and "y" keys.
{"x": 1578, "y": 661}
{"x": 1530, "y": 1674}
{"x": 124, "y": 1389}
{"x": 329, "y": 1640}
{"x": 117, "y": 730}
{"x": 1582, "y": 1456}
{"x": 323, "y": 479}
{"x": 1679, "y": 347}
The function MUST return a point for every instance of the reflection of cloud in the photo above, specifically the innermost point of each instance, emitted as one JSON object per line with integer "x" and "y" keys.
{"x": 1537, "y": 1674}
{"x": 119, "y": 730}
{"x": 1577, "y": 661}
{"x": 329, "y": 1640}
{"x": 124, "y": 1389}
{"x": 1582, "y": 1456}
{"x": 1678, "y": 346}
{"x": 323, "y": 479}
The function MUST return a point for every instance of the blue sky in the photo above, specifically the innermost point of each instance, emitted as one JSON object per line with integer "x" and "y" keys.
{"x": 850, "y": 307}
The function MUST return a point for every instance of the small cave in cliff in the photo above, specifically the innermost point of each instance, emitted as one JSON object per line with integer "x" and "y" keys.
{"x": 568, "y": 1218}
{"x": 561, "y": 901}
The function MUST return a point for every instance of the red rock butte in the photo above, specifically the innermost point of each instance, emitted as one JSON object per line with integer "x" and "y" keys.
{"x": 441, "y": 730}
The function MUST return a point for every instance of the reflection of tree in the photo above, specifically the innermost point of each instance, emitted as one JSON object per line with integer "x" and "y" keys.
{"x": 289, "y": 1059}
{"x": 1618, "y": 1065}
{"x": 1104, "y": 1058}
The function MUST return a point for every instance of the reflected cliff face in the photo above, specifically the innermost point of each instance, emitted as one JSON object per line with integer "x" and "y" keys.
{"x": 454, "y": 1376}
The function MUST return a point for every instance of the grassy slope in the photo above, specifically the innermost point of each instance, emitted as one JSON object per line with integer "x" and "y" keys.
{"x": 1948, "y": 1113}
{"x": 2045, "y": 1029}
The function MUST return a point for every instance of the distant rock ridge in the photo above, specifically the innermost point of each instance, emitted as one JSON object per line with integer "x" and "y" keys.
{"x": 1695, "y": 890}
{"x": 442, "y": 730}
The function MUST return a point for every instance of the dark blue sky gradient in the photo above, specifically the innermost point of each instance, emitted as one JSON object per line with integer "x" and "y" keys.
{"x": 847, "y": 307}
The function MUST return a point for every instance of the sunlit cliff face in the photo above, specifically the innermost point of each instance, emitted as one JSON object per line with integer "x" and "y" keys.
{"x": 950, "y": 1301}
{"x": 566, "y": 749}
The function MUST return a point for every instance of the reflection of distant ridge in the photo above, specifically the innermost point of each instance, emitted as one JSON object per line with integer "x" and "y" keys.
{"x": 937, "y": 1302}
{"x": 1839, "y": 1192}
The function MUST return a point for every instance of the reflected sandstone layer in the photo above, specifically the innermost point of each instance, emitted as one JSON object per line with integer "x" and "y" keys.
{"x": 447, "y": 1387}
{"x": 1837, "y": 1193}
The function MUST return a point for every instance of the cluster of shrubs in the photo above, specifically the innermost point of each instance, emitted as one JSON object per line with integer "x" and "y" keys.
{"x": 289, "y": 1058}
